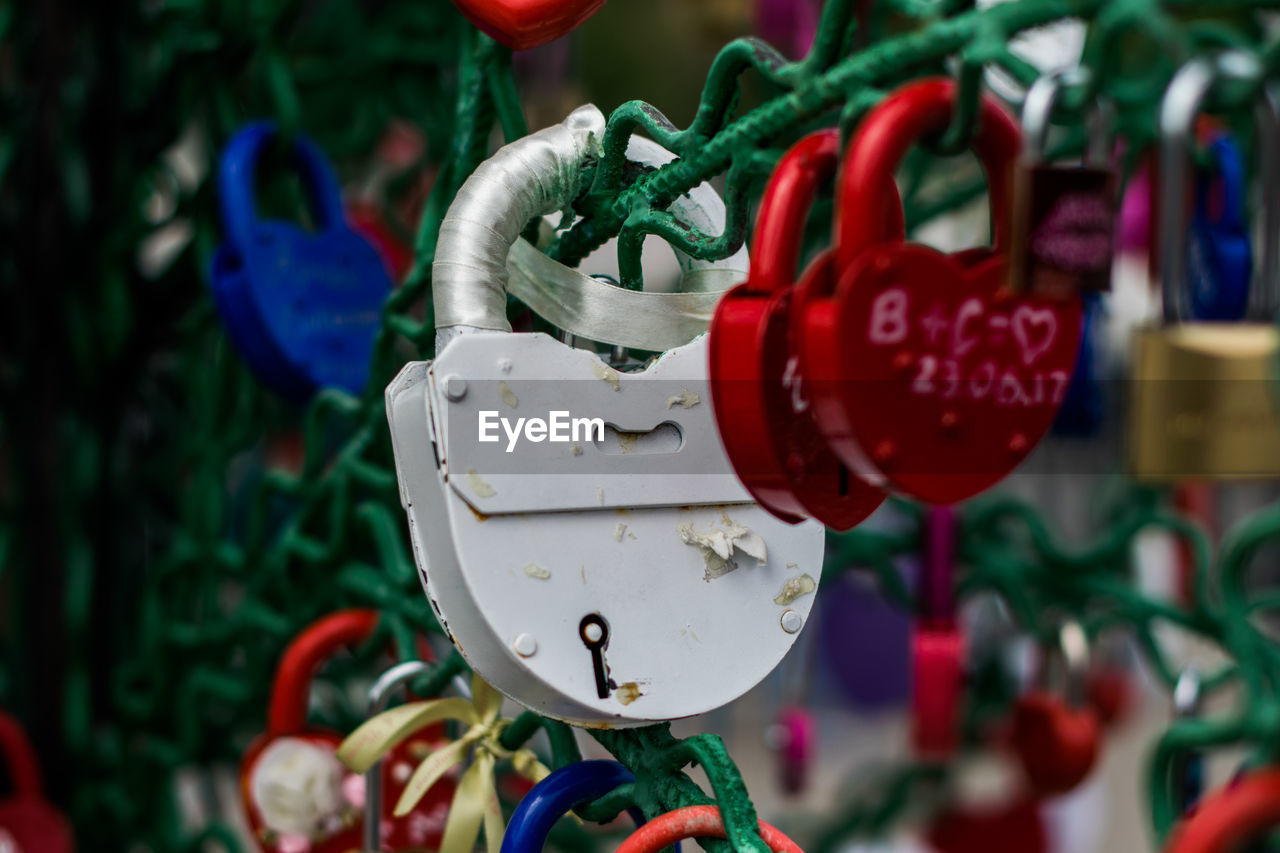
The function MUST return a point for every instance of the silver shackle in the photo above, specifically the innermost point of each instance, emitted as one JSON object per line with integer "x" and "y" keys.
{"x": 1183, "y": 101}
{"x": 481, "y": 256}
{"x": 1037, "y": 115}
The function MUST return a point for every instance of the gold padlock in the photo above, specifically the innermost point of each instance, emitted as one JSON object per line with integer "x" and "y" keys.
{"x": 1205, "y": 403}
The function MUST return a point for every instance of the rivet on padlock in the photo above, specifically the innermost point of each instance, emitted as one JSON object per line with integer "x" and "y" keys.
{"x": 1232, "y": 817}
{"x": 1202, "y": 401}
{"x": 1064, "y": 217}
{"x": 937, "y": 646}
{"x": 558, "y": 794}
{"x": 296, "y": 795}
{"x": 1219, "y": 245}
{"x": 1056, "y": 734}
{"x": 302, "y": 308}
{"x": 638, "y": 524}
{"x": 524, "y": 24}
{"x": 758, "y": 392}
{"x": 926, "y": 374}
{"x": 695, "y": 822}
{"x": 28, "y": 823}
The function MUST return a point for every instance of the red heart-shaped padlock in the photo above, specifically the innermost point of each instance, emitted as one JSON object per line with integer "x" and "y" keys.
{"x": 296, "y": 794}
{"x": 926, "y": 372}
{"x": 423, "y": 829}
{"x": 1017, "y": 828}
{"x": 1110, "y": 691}
{"x": 522, "y": 24}
{"x": 758, "y": 395}
{"x": 937, "y": 671}
{"x": 1057, "y": 745}
{"x": 28, "y": 823}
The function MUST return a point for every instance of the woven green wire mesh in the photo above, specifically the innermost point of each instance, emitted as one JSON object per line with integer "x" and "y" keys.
{"x": 156, "y": 557}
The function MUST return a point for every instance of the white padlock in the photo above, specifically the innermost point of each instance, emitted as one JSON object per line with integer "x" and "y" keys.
{"x": 620, "y": 576}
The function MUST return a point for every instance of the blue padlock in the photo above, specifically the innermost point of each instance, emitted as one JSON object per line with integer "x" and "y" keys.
{"x": 553, "y": 798}
{"x": 1084, "y": 404}
{"x": 1219, "y": 248}
{"x": 303, "y": 308}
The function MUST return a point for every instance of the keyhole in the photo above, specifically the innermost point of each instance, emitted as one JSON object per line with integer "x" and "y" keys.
{"x": 842, "y": 485}
{"x": 594, "y": 632}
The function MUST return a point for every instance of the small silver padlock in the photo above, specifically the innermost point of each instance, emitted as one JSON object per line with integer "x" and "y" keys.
{"x": 579, "y": 530}
{"x": 1064, "y": 216}
{"x": 1204, "y": 396}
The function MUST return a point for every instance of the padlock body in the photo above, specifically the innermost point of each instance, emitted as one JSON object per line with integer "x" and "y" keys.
{"x": 1064, "y": 223}
{"x": 423, "y": 828}
{"x": 765, "y": 416}
{"x": 518, "y": 548}
{"x": 1057, "y": 745}
{"x": 262, "y": 768}
{"x": 937, "y": 671}
{"x": 28, "y": 824}
{"x": 929, "y": 376}
{"x": 525, "y": 24}
{"x": 1204, "y": 403}
{"x": 303, "y": 309}
{"x": 1219, "y": 248}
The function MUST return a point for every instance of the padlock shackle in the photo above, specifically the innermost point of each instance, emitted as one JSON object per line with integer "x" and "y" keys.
{"x": 379, "y": 697}
{"x": 480, "y": 246}
{"x": 531, "y": 177}
{"x": 19, "y": 757}
{"x": 1037, "y": 117}
{"x": 696, "y": 822}
{"x": 1182, "y": 103}
{"x": 907, "y": 116}
{"x": 779, "y": 235}
{"x": 317, "y": 643}
{"x": 937, "y": 582}
{"x": 237, "y": 183}
{"x": 1071, "y": 650}
{"x": 1232, "y": 816}
{"x": 555, "y": 796}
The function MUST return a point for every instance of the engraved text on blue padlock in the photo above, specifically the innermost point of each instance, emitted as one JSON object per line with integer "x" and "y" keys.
{"x": 1220, "y": 251}
{"x": 303, "y": 308}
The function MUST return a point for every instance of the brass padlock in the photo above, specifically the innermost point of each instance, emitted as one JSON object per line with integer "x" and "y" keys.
{"x": 1205, "y": 403}
{"x": 1064, "y": 215}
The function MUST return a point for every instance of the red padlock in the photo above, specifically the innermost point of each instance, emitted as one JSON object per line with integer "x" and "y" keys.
{"x": 1055, "y": 737}
{"x": 937, "y": 646}
{"x": 522, "y": 24}
{"x": 1243, "y": 811}
{"x": 926, "y": 373}
{"x": 297, "y": 795}
{"x": 695, "y": 822}
{"x": 28, "y": 824}
{"x": 759, "y": 399}
{"x": 367, "y": 217}
{"x": 1016, "y": 827}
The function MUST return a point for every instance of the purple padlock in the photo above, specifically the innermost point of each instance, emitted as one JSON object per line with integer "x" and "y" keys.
{"x": 865, "y": 642}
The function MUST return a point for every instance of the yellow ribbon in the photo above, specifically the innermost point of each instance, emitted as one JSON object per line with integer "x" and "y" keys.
{"x": 475, "y": 803}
